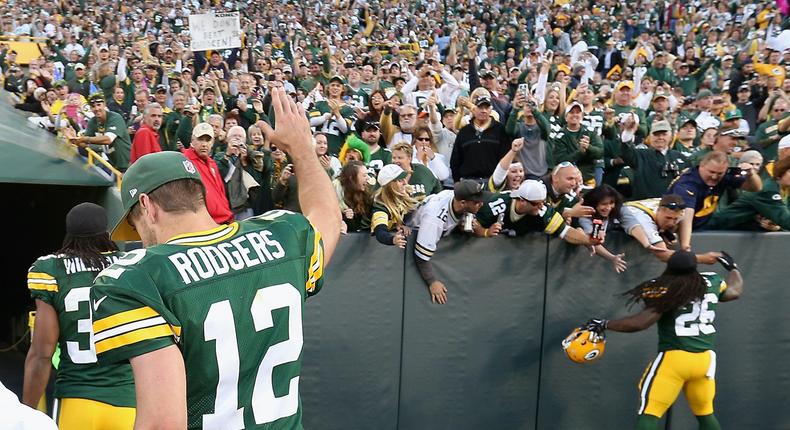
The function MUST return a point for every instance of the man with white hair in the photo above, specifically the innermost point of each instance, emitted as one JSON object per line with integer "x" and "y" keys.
{"x": 146, "y": 140}
{"x": 231, "y": 165}
{"x": 393, "y": 134}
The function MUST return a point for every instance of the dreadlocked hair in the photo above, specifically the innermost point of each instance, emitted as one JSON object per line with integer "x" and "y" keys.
{"x": 89, "y": 249}
{"x": 668, "y": 292}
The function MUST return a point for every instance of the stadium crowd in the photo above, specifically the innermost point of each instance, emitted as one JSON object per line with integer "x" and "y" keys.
{"x": 503, "y": 117}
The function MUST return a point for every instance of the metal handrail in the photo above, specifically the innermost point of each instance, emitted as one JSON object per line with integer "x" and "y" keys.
{"x": 94, "y": 156}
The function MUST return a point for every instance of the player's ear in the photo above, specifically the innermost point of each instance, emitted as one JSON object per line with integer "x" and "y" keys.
{"x": 147, "y": 205}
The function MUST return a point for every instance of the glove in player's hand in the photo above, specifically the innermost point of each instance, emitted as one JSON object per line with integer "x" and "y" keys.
{"x": 597, "y": 325}
{"x": 727, "y": 261}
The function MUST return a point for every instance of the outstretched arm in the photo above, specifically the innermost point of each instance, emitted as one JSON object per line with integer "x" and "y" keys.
{"x": 316, "y": 194}
{"x": 734, "y": 280}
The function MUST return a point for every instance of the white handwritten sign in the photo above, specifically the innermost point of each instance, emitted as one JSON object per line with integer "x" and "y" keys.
{"x": 215, "y": 31}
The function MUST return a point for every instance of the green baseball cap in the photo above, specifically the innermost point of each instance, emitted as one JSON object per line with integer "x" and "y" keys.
{"x": 338, "y": 78}
{"x": 704, "y": 93}
{"x": 733, "y": 114}
{"x": 145, "y": 175}
{"x": 96, "y": 97}
{"x": 684, "y": 119}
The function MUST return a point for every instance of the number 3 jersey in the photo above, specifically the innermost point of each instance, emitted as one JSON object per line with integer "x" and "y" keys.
{"x": 231, "y": 299}
{"x": 64, "y": 282}
{"x": 690, "y": 328}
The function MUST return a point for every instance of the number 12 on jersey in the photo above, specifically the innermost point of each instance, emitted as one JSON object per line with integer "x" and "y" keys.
{"x": 220, "y": 327}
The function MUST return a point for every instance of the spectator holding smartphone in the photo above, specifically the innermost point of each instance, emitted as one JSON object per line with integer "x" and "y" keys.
{"x": 606, "y": 202}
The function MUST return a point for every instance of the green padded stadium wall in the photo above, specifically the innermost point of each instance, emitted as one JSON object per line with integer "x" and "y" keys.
{"x": 379, "y": 355}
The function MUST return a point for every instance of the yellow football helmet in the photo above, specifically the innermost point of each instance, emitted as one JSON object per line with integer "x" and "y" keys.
{"x": 583, "y": 345}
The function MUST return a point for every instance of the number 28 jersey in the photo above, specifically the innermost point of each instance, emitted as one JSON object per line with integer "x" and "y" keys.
{"x": 231, "y": 299}
{"x": 690, "y": 328}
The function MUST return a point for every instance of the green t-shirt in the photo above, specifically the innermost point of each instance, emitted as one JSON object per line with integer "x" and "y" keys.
{"x": 64, "y": 283}
{"x": 770, "y": 202}
{"x": 357, "y": 98}
{"x": 547, "y": 220}
{"x": 231, "y": 298}
{"x": 168, "y": 137}
{"x": 423, "y": 182}
{"x": 380, "y": 158}
{"x": 565, "y": 147}
{"x": 335, "y": 138}
{"x": 766, "y": 137}
{"x": 690, "y": 328}
{"x": 120, "y": 149}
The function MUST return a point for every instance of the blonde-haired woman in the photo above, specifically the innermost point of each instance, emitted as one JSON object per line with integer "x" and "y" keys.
{"x": 391, "y": 204}
{"x": 551, "y": 98}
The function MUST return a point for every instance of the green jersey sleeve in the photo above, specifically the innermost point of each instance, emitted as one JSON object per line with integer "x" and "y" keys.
{"x": 129, "y": 316}
{"x": 381, "y": 216}
{"x": 553, "y": 220}
{"x": 42, "y": 281}
{"x": 307, "y": 237}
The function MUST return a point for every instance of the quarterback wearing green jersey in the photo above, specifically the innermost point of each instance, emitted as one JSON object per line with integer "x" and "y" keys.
{"x": 208, "y": 315}
{"x": 87, "y": 396}
{"x": 683, "y": 302}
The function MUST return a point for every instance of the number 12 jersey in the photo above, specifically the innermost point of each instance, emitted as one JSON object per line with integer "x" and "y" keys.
{"x": 231, "y": 298}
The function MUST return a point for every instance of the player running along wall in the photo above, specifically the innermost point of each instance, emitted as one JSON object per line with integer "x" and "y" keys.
{"x": 379, "y": 355}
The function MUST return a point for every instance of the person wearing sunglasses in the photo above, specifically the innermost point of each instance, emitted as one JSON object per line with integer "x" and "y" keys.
{"x": 771, "y": 131}
{"x": 654, "y": 222}
{"x": 701, "y": 188}
{"x": 766, "y": 209}
{"x": 109, "y": 129}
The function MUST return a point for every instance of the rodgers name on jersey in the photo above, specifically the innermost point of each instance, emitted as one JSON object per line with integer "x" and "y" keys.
{"x": 231, "y": 299}
{"x": 249, "y": 250}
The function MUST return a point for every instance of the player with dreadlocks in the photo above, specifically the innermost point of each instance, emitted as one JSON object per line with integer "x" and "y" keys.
{"x": 683, "y": 302}
{"x": 87, "y": 396}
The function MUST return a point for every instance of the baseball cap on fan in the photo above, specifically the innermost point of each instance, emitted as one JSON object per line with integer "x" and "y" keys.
{"x": 467, "y": 189}
{"x": 389, "y": 173}
{"x": 531, "y": 190}
{"x": 145, "y": 175}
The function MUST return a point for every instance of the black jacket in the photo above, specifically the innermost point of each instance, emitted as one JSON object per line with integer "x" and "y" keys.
{"x": 476, "y": 154}
{"x": 616, "y": 59}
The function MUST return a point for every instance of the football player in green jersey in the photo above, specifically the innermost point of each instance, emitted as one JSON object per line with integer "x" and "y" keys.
{"x": 683, "y": 302}
{"x": 208, "y": 315}
{"x": 87, "y": 396}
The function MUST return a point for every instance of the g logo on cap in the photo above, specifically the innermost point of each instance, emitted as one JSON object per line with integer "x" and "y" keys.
{"x": 133, "y": 191}
{"x": 189, "y": 167}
